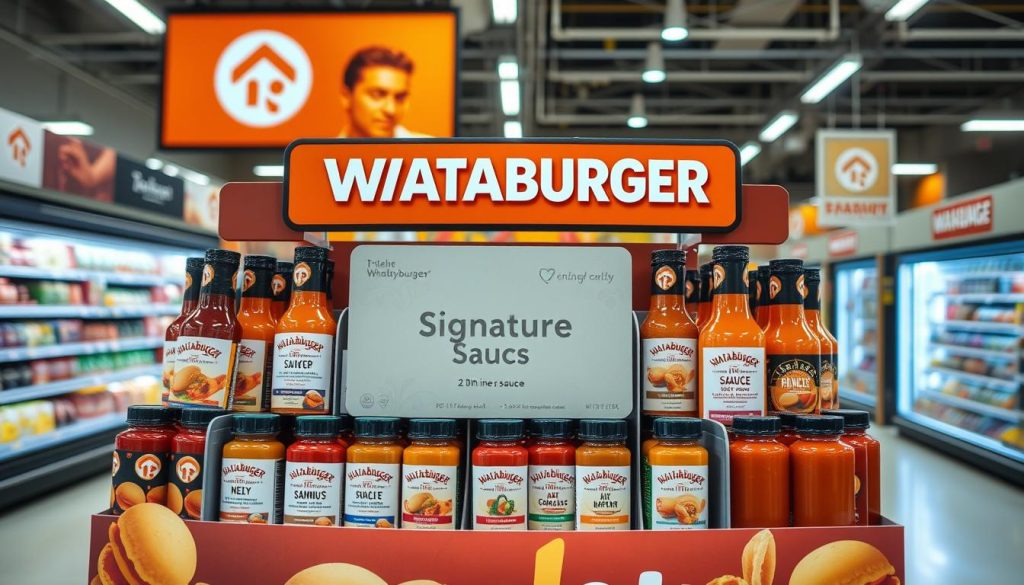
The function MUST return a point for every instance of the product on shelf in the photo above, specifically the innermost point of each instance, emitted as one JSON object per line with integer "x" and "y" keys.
{"x": 255, "y": 351}
{"x": 828, "y": 389}
{"x": 868, "y": 498}
{"x": 373, "y": 473}
{"x": 500, "y": 471}
{"x": 142, "y": 455}
{"x": 314, "y": 473}
{"x": 281, "y": 286}
{"x": 603, "y": 476}
{"x": 304, "y": 342}
{"x": 752, "y": 292}
{"x": 759, "y": 473}
{"x": 792, "y": 347}
{"x": 677, "y": 488}
{"x": 185, "y": 484}
{"x": 704, "y": 298}
{"x": 252, "y": 471}
{"x": 205, "y": 357}
{"x": 731, "y": 346}
{"x": 823, "y": 470}
{"x": 668, "y": 341}
{"x": 430, "y": 475}
{"x": 692, "y": 288}
{"x": 552, "y": 475}
{"x": 190, "y": 298}
{"x": 764, "y": 274}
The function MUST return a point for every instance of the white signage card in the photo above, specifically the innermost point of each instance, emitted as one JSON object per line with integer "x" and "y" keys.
{"x": 490, "y": 331}
{"x": 21, "y": 159}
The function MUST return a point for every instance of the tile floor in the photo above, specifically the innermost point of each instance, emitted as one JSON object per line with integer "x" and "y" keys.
{"x": 962, "y": 526}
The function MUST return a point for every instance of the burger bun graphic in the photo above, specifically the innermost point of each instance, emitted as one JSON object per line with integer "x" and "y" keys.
{"x": 844, "y": 562}
{"x": 335, "y": 574}
{"x": 149, "y": 545}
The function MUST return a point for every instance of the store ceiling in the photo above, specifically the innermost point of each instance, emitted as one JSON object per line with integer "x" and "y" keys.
{"x": 745, "y": 60}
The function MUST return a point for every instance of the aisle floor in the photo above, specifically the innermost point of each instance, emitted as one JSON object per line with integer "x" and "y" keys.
{"x": 962, "y": 526}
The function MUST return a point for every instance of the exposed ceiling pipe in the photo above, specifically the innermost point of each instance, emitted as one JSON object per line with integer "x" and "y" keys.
{"x": 751, "y": 120}
{"x": 760, "y": 76}
{"x": 688, "y": 54}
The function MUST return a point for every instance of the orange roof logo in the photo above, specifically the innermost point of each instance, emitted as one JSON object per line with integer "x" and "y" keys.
{"x": 856, "y": 170}
{"x": 263, "y": 78}
{"x": 20, "y": 145}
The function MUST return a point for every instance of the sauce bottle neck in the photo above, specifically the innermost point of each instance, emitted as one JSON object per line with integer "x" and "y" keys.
{"x": 216, "y": 302}
{"x": 732, "y": 305}
{"x": 668, "y": 303}
{"x": 255, "y": 305}
{"x": 788, "y": 313}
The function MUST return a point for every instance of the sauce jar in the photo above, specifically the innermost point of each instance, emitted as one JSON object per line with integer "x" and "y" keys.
{"x": 314, "y": 473}
{"x": 430, "y": 475}
{"x": 252, "y": 471}
{"x": 500, "y": 467}
{"x": 373, "y": 474}
{"x": 552, "y": 475}
{"x": 142, "y": 454}
{"x": 759, "y": 473}
{"x": 677, "y": 490}
{"x": 822, "y": 470}
{"x": 185, "y": 485}
{"x": 603, "y": 470}
{"x": 867, "y": 454}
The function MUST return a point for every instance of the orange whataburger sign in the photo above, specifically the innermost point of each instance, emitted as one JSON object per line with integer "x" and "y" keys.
{"x": 596, "y": 185}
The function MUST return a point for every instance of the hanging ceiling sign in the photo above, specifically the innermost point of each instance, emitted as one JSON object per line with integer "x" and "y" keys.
{"x": 854, "y": 179}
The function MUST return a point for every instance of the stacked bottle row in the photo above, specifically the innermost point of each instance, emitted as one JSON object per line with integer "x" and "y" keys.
{"x": 274, "y": 353}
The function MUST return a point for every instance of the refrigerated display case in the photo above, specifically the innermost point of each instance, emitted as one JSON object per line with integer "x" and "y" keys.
{"x": 857, "y": 327}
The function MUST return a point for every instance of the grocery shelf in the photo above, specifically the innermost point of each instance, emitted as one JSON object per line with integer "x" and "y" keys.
{"x": 983, "y": 274}
{"x": 65, "y": 434}
{"x": 974, "y": 406}
{"x": 64, "y": 386}
{"x": 21, "y": 354}
{"x": 76, "y": 275}
{"x": 981, "y": 326}
{"x": 977, "y": 351}
{"x": 984, "y": 298}
{"x": 988, "y": 381}
{"x": 980, "y": 450}
{"x": 86, "y": 311}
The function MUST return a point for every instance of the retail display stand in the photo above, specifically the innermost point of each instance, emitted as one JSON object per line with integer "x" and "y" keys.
{"x": 732, "y": 213}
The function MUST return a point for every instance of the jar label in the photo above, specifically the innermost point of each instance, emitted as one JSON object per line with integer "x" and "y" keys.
{"x": 138, "y": 477}
{"x": 250, "y": 490}
{"x": 371, "y": 494}
{"x": 252, "y": 390}
{"x": 312, "y": 493}
{"x": 828, "y": 389}
{"x": 168, "y": 373}
{"x": 670, "y": 379}
{"x": 732, "y": 382}
{"x": 185, "y": 485}
{"x": 302, "y": 372}
{"x": 552, "y": 497}
{"x": 203, "y": 372}
{"x": 602, "y": 497}
{"x": 679, "y": 497}
{"x": 429, "y": 493}
{"x": 499, "y": 498}
{"x": 793, "y": 383}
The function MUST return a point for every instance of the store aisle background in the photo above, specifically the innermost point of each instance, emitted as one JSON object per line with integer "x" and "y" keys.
{"x": 962, "y": 525}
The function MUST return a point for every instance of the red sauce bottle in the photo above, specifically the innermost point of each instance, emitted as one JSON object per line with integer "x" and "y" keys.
{"x": 190, "y": 298}
{"x": 141, "y": 458}
{"x": 867, "y": 451}
{"x": 185, "y": 482}
{"x": 500, "y": 468}
{"x": 552, "y": 474}
{"x": 314, "y": 473}
{"x": 823, "y": 470}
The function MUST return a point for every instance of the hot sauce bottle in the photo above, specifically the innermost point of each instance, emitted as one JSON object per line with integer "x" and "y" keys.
{"x": 252, "y": 381}
{"x": 141, "y": 458}
{"x": 252, "y": 471}
{"x": 763, "y": 275}
{"x": 822, "y": 470}
{"x": 792, "y": 346}
{"x": 205, "y": 359}
{"x": 185, "y": 485}
{"x": 281, "y": 287}
{"x": 692, "y": 290}
{"x": 552, "y": 475}
{"x": 314, "y": 473}
{"x": 603, "y": 471}
{"x": 304, "y": 343}
{"x": 867, "y": 455}
{"x": 677, "y": 494}
{"x": 430, "y": 475}
{"x": 373, "y": 475}
{"x": 190, "y": 298}
{"x": 704, "y": 304}
{"x": 668, "y": 341}
{"x": 759, "y": 473}
{"x": 500, "y": 471}
{"x": 752, "y": 291}
{"x": 732, "y": 355}
{"x": 829, "y": 387}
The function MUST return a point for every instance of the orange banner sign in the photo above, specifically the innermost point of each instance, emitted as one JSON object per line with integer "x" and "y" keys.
{"x": 598, "y": 185}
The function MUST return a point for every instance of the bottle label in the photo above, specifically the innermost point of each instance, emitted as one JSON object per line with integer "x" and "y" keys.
{"x": 257, "y": 283}
{"x": 732, "y": 382}
{"x": 670, "y": 383}
{"x": 219, "y": 279}
{"x": 185, "y": 485}
{"x": 312, "y": 493}
{"x": 250, "y": 490}
{"x": 429, "y": 493}
{"x": 602, "y": 497}
{"x": 138, "y": 477}
{"x": 500, "y": 498}
{"x": 668, "y": 279}
{"x": 203, "y": 372}
{"x": 793, "y": 383}
{"x": 679, "y": 497}
{"x": 302, "y": 372}
{"x": 170, "y": 348}
{"x": 552, "y": 503}
{"x": 310, "y": 276}
{"x": 730, "y": 278}
{"x": 371, "y": 494}
{"x": 787, "y": 288}
{"x": 251, "y": 385}
{"x": 828, "y": 389}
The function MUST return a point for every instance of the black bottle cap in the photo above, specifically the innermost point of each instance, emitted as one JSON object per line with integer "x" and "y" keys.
{"x": 677, "y": 428}
{"x": 316, "y": 426}
{"x": 260, "y": 262}
{"x": 194, "y": 263}
{"x": 218, "y": 256}
{"x": 146, "y": 415}
{"x": 819, "y": 425}
{"x": 345, "y": 424}
{"x": 763, "y": 271}
{"x": 256, "y": 424}
{"x": 668, "y": 257}
{"x": 284, "y": 267}
{"x": 786, "y": 265}
{"x": 500, "y": 429}
{"x": 432, "y": 428}
{"x": 551, "y": 428}
{"x": 376, "y": 427}
{"x": 175, "y": 412}
{"x": 722, "y": 253}
{"x": 602, "y": 429}
{"x": 812, "y": 274}
{"x": 852, "y": 419}
{"x": 199, "y": 417}
{"x": 310, "y": 254}
{"x": 756, "y": 425}
{"x": 788, "y": 419}
{"x": 705, "y": 270}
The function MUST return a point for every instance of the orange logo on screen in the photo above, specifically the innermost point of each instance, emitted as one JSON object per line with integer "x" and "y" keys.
{"x": 302, "y": 273}
{"x": 717, "y": 276}
{"x": 248, "y": 279}
{"x": 20, "y": 146}
{"x": 187, "y": 469}
{"x": 277, "y": 284}
{"x": 263, "y": 78}
{"x": 148, "y": 466}
{"x": 774, "y": 286}
{"x": 207, "y": 274}
{"x": 665, "y": 277}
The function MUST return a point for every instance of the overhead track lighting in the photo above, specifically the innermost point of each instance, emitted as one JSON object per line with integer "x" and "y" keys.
{"x": 508, "y": 68}
{"x": 268, "y": 170}
{"x": 654, "y": 64}
{"x": 510, "y": 97}
{"x": 143, "y": 17}
{"x": 838, "y": 73}
{"x": 749, "y": 152}
{"x": 993, "y": 125}
{"x": 637, "y": 113}
{"x": 778, "y": 126}
{"x": 904, "y": 169}
{"x": 68, "y": 127}
{"x": 674, "y": 28}
{"x": 513, "y": 129}
{"x": 904, "y": 9}
{"x": 504, "y": 11}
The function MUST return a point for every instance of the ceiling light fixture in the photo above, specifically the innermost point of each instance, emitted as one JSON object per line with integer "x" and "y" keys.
{"x": 904, "y": 9}
{"x": 504, "y": 11}
{"x": 68, "y": 127}
{"x": 195, "y": 176}
{"x": 171, "y": 170}
{"x": 905, "y": 169}
{"x": 778, "y": 126}
{"x": 674, "y": 28}
{"x": 154, "y": 164}
{"x": 637, "y": 113}
{"x": 268, "y": 170}
{"x": 654, "y": 65}
{"x": 993, "y": 125}
{"x": 508, "y": 68}
{"x": 143, "y": 17}
{"x": 513, "y": 129}
{"x": 510, "y": 97}
{"x": 838, "y": 73}
{"x": 749, "y": 152}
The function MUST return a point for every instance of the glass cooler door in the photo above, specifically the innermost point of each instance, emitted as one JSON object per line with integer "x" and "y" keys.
{"x": 856, "y": 319}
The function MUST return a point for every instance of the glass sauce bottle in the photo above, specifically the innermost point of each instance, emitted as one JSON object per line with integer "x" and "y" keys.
{"x": 141, "y": 456}
{"x": 763, "y": 310}
{"x": 252, "y": 380}
{"x": 692, "y": 300}
{"x": 704, "y": 304}
{"x": 867, "y": 454}
{"x": 793, "y": 348}
{"x": 185, "y": 485}
{"x": 759, "y": 473}
{"x": 252, "y": 471}
{"x": 500, "y": 471}
{"x": 314, "y": 473}
{"x": 373, "y": 475}
{"x": 189, "y": 300}
{"x": 281, "y": 287}
{"x": 552, "y": 475}
{"x": 603, "y": 472}
{"x": 822, "y": 470}
{"x": 828, "y": 390}
{"x": 677, "y": 494}
{"x": 430, "y": 475}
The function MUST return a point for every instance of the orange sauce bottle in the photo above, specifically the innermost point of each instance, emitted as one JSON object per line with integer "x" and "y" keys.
{"x": 759, "y": 473}
{"x": 828, "y": 390}
{"x": 867, "y": 452}
{"x": 668, "y": 341}
{"x": 732, "y": 355}
{"x": 704, "y": 298}
{"x": 603, "y": 470}
{"x": 822, "y": 470}
{"x": 793, "y": 348}
{"x": 281, "y": 286}
{"x": 763, "y": 275}
{"x": 304, "y": 342}
{"x": 252, "y": 376}
{"x": 430, "y": 475}
{"x": 252, "y": 471}
{"x": 692, "y": 290}
{"x": 677, "y": 487}
{"x": 752, "y": 292}
{"x": 373, "y": 473}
